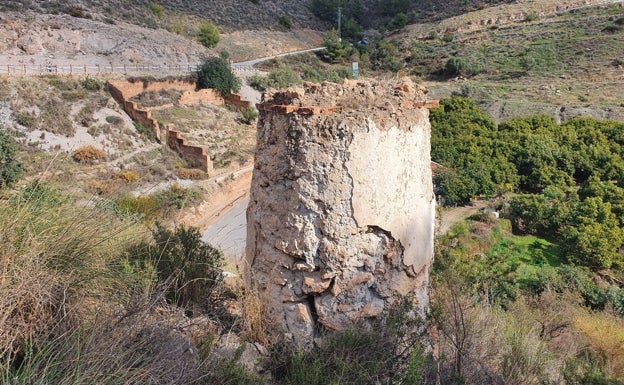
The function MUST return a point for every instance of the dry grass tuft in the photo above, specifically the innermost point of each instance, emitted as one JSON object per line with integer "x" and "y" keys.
{"x": 88, "y": 154}
{"x": 53, "y": 254}
{"x": 128, "y": 176}
{"x": 606, "y": 333}
{"x": 192, "y": 173}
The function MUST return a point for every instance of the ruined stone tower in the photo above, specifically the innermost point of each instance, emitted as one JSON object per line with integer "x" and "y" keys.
{"x": 341, "y": 216}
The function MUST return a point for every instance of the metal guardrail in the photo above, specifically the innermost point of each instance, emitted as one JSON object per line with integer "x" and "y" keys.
{"x": 50, "y": 69}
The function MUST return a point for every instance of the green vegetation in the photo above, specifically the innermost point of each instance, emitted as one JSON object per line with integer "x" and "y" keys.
{"x": 293, "y": 69}
{"x": 208, "y": 35}
{"x": 456, "y": 66}
{"x": 11, "y": 169}
{"x": 285, "y": 22}
{"x": 249, "y": 114}
{"x": 216, "y": 73}
{"x": 388, "y": 354}
{"x": 334, "y": 49}
{"x": 569, "y": 174}
{"x": 192, "y": 267}
{"x": 89, "y": 297}
{"x": 281, "y": 77}
{"x": 505, "y": 305}
{"x": 158, "y": 205}
{"x": 156, "y": 9}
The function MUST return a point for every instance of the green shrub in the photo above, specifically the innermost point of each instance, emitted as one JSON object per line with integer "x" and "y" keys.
{"x": 334, "y": 49}
{"x": 612, "y": 28}
{"x": 191, "y": 268}
{"x": 285, "y": 22}
{"x": 92, "y": 84}
{"x": 399, "y": 21}
{"x": 249, "y": 114}
{"x": 351, "y": 357}
{"x": 448, "y": 37}
{"x": 460, "y": 66}
{"x": 11, "y": 169}
{"x": 26, "y": 120}
{"x": 281, "y": 77}
{"x": 208, "y": 35}
{"x": 156, "y": 9}
{"x": 384, "y": 55}
{"x": 145, "y": 131}
{"x": 532, "y": 16}
{"x": 216, "y": 73}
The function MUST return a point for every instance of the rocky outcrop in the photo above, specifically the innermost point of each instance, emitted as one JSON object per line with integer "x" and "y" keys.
{"x": 341, "y": 215}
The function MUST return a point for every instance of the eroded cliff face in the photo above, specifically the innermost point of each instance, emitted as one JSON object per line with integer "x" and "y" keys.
{"x": 341, "y": 215}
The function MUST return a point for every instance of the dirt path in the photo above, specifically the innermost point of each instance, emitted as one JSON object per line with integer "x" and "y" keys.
{"x": 450, "y": 216}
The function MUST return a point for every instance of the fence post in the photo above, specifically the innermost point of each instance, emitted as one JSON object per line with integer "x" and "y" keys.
{"x": 85, "y": 68}
{"x": 8, "y": 69}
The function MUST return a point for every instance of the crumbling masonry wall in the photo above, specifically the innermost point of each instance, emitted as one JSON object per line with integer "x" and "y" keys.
{"x": 340, "y": 222}
{"x": 123, "y": 90}
{"x": 194, "y": 155}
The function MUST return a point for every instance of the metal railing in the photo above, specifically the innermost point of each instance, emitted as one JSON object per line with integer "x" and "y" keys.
{"x": 50, "y": 69}
{"x": 53, "y": 69}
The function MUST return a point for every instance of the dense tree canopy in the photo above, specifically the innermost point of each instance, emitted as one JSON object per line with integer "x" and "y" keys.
{"x": 569, "y": 177}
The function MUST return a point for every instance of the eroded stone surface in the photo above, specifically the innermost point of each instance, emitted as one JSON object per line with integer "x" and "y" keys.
{"x": 341, "y": 213}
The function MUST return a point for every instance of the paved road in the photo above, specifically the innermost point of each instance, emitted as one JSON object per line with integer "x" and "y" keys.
{"x": 250, "y": 63}
{"x": 229, "y": 232}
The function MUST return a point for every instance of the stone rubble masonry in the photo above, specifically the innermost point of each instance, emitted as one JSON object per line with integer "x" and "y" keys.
{"x": 340, "y": 221}
{"x": 123, "y": 90}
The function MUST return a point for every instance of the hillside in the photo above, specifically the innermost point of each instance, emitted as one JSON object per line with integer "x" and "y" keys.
{"x": 526, "y": 58}
{"x": 105, "y": 281}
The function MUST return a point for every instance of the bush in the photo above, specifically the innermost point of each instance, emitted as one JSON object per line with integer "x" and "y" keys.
{"x": 145, "y": 131}
{"x": 285, "y": 22}
{"x": 249, "y": 114}
{"x": 398, "y": 22}
{"x": 129, "y": 176}
{"x": 448, "y": 37}
{"x": 114, "y": 120}
{"x": 192, "y": 268}
{"x": 92, "y": 84}
{"x": 459, "y": 66}
{"x": 334, "y": 49}
{"x": 53, "y": 254}
{"x": 216, "y": 73}
{"x": 88, "y": 154}
{"x": 208, "y": 35}
{"x": 10, "y": 168}
{"x": 76, "y": 12}
{"x": 352, "y": 357}
{"x": 455, "y": 66}
{"x": 156, "y": 10}
{"x": 532, "y": 16}
{"x": 26, "y": 120}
